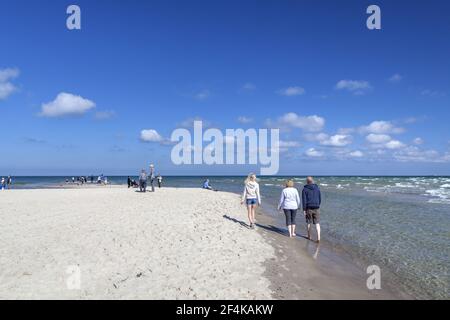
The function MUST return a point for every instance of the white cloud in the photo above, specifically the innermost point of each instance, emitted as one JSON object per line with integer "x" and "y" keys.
{"x": 248, "y": 87}
{"x": 311, "y": 152}
{"x": 292, "y": 120}
{"x": 104, "y": 115}
{"x": 202, "y": 95}
{"x": 66, "y": 104}
{"x": 418, "y": 141}
{"x": 289, "y": 144}
{"x": 394, "y": 144}
{"x": 395, "y": 78}
{"x": 356, "y": 154}
{"x": 189, "y": 123}
{"x": 6, "y": 87}
{"x": 244, "y": 120}
{"x": 415, "y": 154}
{"x": 151, "y": 135}
{"x": 291, "y": 91}
{"x": 381, "y": 127}
{"x": 432, "y": 93}
{"x": 378, "y": 138}
{"x": 357, "y": 87}
{"x": 338, "y": 140}
{"x": 8, "y": 74}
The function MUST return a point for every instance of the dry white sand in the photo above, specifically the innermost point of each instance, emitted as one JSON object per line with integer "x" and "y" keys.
{"x": 121, "y": 244}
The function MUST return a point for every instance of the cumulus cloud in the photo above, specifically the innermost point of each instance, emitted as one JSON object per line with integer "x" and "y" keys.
{"x": 357, "y": 87}
{"x": 356, "y": 154}
{"x": 338, "y": 140}
{"x": 418, "y": 141}
{"x": 291, "y": 91}
{"x": 378, "y": 138}
{"x": 415, "y": 154}
{"x": 381, "y": 127}
{"x": 104, "y": 115}
{"x": 6, "y": 87}
{"x": 394, "y": 144}
{"x": 311, "y": 152}
{"x": 292, "y": 120}
{"x": 151, "y": 135}
{"x": 66, "y": 104}
{"x": 395, "y": 78}
{"x": 244, "y": 120}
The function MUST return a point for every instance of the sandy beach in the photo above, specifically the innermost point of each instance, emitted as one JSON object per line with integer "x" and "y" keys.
{"x": 172, "y": 244}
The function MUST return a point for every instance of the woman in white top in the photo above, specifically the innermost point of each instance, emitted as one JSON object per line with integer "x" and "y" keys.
{"x": 290, "y": 202}
{"x": 252, "y": 198}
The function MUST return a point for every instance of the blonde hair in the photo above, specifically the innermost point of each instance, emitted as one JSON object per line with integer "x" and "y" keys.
{"x": 251, "y": 177}
{"x": 289, "y": 183}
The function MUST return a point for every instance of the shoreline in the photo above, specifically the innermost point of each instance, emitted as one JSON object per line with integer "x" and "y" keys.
{"x": 328, "y": 274}
{"x": 291, "y": 270}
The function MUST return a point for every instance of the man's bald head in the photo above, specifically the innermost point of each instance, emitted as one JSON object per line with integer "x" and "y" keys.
{"x": 309, "y": 180}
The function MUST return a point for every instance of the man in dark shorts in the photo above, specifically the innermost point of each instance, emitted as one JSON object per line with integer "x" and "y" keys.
{"x": 311, "y": 199}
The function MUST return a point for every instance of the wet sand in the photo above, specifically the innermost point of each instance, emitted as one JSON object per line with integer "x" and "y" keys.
{"x": 171, "y": 244}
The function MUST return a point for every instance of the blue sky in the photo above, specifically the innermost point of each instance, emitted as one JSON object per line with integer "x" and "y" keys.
{"x": 349, "y": 100}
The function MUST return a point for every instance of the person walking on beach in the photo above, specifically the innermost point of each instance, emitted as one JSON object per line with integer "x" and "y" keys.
{"x": 311, "y": 199}
{"x": 290, "y": 202}
{"x": 143, "y": 181}
{"x": 2, "y": 184}
{"x": 129, "y": 182}
{"x": 251, "y": 197}
{"x": 151, "y": 177}
{"x": 159, "y": 178}
{"x": 8, "y": 182}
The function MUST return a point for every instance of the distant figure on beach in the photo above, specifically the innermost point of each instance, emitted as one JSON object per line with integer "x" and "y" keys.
{"x": 73, "y": 179}
{"x": 9, "y": 182}
{"x": 311, "y": 199}
{"x": 129, "y": 182}
{"x": 159, "y": 179}
{"x": 206, "y": 185}
{"x": 92, "y": 179}
{"x": 2, "y": 184}
{"x": 100, "y": 179}
{"x": 251, "y": 197}
{"x": 290, "y": 202}
{"x": 151, "y": 177}
{"x": 105, "y": 180}
{"x": 143, "y": 181}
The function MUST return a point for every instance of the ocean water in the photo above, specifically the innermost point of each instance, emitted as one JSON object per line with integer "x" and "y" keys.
{"x": 401, "y": 224}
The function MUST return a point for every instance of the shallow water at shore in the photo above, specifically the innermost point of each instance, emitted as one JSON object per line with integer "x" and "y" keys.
{"x": 398, "y": 223}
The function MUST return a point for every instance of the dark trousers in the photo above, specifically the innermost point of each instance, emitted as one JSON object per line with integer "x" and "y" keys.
{"x": 290, "y": 216}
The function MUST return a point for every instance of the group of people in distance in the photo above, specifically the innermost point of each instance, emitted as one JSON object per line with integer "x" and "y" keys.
{"x": 290, "y": 203}
{"x": 6, "y": 183}
{"x": 144, "y": 177}
{"x": 101, "y": 179}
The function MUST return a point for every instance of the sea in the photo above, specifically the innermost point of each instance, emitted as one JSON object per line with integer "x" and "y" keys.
{"x": 401, "y": 224}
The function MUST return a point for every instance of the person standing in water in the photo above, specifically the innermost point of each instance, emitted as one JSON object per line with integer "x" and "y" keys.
{"x": 9, "y": 182}
{"x": 311, "y": 199}
{"x": 252, "y": 198}
{"x": 290, "y": 202}
{"x": 159, "y": 179}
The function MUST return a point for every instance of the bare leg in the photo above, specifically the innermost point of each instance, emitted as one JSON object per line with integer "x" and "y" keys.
{"x": 254, "y": 213}
{"x": 249, "y": 210}
{"x": 293, "y": 230}
{"x": 318, "y": 232}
